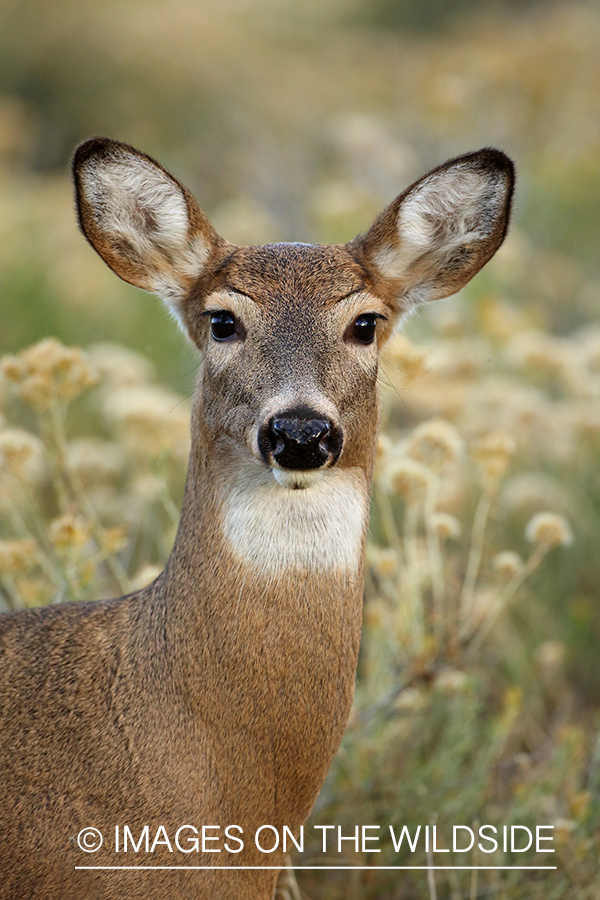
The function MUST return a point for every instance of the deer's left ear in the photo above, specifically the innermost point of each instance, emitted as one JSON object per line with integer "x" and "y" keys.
{"x": 436, "y": 235}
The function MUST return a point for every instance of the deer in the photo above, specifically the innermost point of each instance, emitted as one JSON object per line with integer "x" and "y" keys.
{"x": 216, "y": 697}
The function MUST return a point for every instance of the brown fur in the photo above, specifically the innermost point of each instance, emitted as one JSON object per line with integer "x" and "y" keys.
{"x": 217, "y": 695}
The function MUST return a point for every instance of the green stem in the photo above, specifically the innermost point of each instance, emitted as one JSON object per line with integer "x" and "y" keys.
{"x": 435, "y": 561}
{"x": 10, "y": 592}
{"x": 480, "y": 521}
{"x": 505, "y": 596}
{"x": 22, "y": 531}
{"x": 413, "y": 582}
{"x": 388, "y": 520}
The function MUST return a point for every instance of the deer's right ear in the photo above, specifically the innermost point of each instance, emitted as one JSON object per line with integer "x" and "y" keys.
{"x": 144, "y": 224}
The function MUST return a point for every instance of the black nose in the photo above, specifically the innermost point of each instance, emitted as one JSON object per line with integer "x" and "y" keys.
{"x": 299, "y": 441}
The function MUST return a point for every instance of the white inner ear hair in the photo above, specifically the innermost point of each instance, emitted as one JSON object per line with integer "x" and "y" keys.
{"x": 135, "y": 202}
{"x": 448, "y": 209}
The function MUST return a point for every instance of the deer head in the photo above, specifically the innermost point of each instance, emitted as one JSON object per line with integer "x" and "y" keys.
{"x": 290, "y": 333}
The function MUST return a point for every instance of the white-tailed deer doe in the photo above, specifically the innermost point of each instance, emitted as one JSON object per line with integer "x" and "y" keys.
{"x": 218, "y": 694}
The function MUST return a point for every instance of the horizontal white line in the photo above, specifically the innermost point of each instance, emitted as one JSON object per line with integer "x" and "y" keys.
{"x": 316, "y": 868}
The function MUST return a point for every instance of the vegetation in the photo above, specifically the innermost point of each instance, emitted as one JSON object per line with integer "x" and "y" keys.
{"x": 477, "y": 695}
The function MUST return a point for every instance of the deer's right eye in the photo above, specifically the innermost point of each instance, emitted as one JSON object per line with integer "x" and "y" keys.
{"x": 223, "y": 326}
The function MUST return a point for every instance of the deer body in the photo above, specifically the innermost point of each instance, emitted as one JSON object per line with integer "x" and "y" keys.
{"x": 218, "y": 695}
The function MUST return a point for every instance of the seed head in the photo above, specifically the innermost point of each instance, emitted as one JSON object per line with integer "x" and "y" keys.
{"x": 120, "y": 367}
{"x": 34, "y": 591}
{"x": 96, "y": 462}
{"x": 69, "y": 532}
{"x": 407, "y": 477}
{"x": 548, "y": 529}
{"x": 493, "y": 454}
{"x": 383, "y": 560}
{"x": 18, "y": 557}
{"x": 21, "y": 454}
{"x": 376, "y": 613}
{"x": 459, "y": 359}
{"x": 435, "y": 443}
{"x": 409, "y": 359}
{"x": 153, "y": 420}
{"x": 448, "y": 527}
{"x": 549, "y": 656}
{"x": 382, "y": 454}
{"x": 507, "y": 564}
{"x": 113, "y": 539}
{"x": 452, "y": 681}
{"x": 47, "y": 372}
{"x": 542, "y": 354}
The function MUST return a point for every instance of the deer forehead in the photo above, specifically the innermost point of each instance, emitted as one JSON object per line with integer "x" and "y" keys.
{"x": 275, "y": 271}
{"x": 293, "y": 310}
{"x": 290, "y": 292}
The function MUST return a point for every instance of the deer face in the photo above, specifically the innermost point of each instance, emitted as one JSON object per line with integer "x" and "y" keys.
{"x": 290, "y": 333}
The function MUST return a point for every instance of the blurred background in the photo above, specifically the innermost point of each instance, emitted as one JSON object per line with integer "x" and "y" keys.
{"x": 301, "y": 121}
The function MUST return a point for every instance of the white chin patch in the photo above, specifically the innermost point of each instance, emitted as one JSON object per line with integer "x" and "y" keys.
{"x": 297, "y": 479}
{"x": 274, "y": 527}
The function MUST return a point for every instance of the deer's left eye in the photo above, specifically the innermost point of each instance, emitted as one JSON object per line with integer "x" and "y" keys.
{"x": 363, "y": 330}
{"x": 222, "y": 326}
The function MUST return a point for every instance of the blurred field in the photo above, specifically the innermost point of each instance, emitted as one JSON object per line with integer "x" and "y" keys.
{"x": 478, "y": 692}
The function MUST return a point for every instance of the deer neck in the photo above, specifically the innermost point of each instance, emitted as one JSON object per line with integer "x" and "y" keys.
{"x": 263, "y": 599}
{"x": 247, "y": 546}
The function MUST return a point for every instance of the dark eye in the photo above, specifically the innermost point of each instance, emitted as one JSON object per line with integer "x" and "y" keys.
{"x": 363, "y": 329}
{"x": 223, "y": 326}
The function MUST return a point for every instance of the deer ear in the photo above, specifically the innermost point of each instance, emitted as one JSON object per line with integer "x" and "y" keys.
{"x": 436, "y": 235}
{"x": 144, "y": 224}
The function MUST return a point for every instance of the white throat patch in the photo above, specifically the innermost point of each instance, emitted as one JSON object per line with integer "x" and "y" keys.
{"x": 275, "y": 528}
